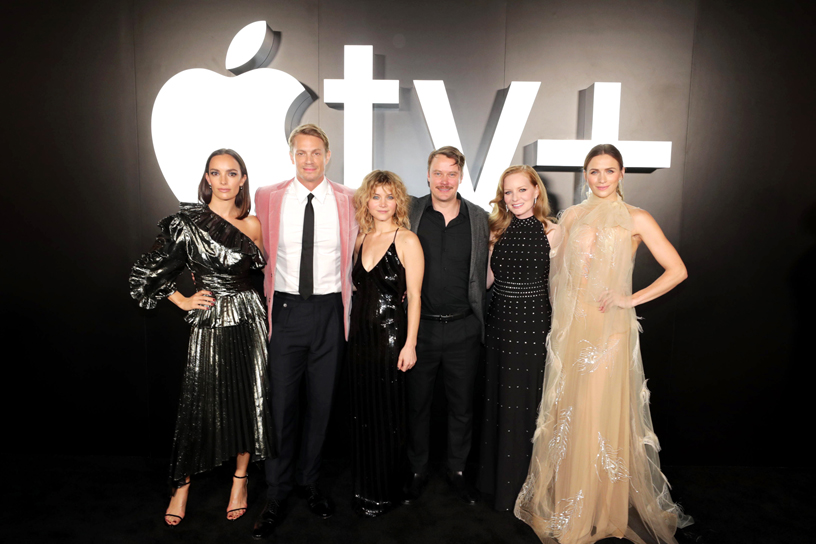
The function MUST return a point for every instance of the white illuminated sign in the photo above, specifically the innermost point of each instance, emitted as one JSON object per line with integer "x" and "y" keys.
{"x": 601, "y": 122}
{"x": 198, "y": 111}
{"x": 441, "y": 125}
{"x": 253, "y": 47}
{"x": 357, "y": 92}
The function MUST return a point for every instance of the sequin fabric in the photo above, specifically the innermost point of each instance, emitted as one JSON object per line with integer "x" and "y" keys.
{"x": 223, "y": 409}
{"x": 516, "y": 327}
{"x": 595, "y": 472}
{"x": 377, "y": 387}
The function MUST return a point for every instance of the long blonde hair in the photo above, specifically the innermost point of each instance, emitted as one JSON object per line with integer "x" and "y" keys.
{"x": 388, "y": 180}
{"x": 501, "y": 217}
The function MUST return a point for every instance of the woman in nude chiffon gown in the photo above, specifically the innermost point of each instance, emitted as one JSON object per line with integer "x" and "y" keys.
{"x": 595, "y": 471}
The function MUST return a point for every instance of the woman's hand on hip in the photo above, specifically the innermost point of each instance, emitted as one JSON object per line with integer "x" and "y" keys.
{"x": 611, "y": 299}
{"x": 202, "y": 300}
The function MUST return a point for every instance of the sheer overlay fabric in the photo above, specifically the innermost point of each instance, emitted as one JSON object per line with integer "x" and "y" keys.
{"x": 595, "y": 471}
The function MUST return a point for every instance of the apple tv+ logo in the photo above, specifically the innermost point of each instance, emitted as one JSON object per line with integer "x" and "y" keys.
{"x": 198, "y": 111}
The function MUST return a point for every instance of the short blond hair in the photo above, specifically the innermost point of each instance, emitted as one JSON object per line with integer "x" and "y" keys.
{"x": 309, "y": 130}
{"x": 386, "y": 179}
{"x": 450, "y": 152}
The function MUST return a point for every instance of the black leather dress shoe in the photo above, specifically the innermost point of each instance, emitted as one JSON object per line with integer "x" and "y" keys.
{"x": 265, "y": 524}
{"x": 319, "y": 504}
{"x": 413, "y": 488}
{"x": 462, "y": 488}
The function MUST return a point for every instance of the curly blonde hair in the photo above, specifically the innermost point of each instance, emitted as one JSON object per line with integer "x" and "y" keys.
{"x": 387, "y": 180}
{"x": 500, "y": 217}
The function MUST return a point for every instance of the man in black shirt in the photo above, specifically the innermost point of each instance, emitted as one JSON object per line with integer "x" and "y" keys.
{"x": 454, "y": 236}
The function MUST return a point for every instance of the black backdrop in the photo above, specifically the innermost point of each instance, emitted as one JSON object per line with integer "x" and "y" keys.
{"x": 727, "y": 353}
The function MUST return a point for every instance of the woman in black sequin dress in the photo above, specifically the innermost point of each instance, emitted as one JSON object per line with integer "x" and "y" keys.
{"x": 518, "y": 320}
{"x": 223, "y": 410}
{"x": 382, "y": 339}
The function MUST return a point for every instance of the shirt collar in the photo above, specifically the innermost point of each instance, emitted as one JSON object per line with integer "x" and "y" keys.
{"x": 320, "y": 192}
{"x": 462, "y": 206}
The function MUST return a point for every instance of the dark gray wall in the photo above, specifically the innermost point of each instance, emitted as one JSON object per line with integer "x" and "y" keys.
{"x": 741, "y": 357}
{"x": 728, "y": 83}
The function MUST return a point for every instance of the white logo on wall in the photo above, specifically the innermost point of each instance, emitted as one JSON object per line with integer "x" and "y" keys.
{"x": 198, "y": 111}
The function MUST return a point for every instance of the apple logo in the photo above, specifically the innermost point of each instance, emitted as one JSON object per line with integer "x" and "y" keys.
{"x": 198, "y": 111}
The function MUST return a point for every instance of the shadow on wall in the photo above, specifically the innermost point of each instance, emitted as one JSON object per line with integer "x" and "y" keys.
{"x": 555, "y": 202}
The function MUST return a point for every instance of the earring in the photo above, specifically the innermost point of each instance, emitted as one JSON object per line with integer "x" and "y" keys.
{"x": 240, "y": 187}
{"x": 535, "y": 199}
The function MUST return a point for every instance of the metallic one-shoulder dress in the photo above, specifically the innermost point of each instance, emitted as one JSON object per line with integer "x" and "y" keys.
{"x": 223, "y": 409}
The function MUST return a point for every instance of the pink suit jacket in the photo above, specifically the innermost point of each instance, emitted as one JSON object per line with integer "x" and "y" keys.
{"x": 268, "y": 204}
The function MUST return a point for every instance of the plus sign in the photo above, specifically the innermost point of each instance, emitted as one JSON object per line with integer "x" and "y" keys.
{"x": 357, "y": 93}
{"x": 601, "y": 115}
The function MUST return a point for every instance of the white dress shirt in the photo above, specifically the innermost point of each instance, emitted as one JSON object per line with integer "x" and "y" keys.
{"x": 327, "y": 247}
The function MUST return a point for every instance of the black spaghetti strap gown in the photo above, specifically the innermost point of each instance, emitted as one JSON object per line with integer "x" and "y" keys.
{"x": 377, "y": 387}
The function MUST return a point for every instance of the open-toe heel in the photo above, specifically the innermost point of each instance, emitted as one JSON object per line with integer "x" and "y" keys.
{"x": 174, "y": 487}
{"x": 243, "y": 509}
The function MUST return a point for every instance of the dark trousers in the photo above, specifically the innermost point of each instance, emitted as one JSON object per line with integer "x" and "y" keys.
{"x": 452, "y": 349}
{"x": 307, "y": 343}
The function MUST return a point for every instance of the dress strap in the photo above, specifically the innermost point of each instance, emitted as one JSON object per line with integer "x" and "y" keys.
{"x": 359, "y": 253}
{"x": 395, "y": 235}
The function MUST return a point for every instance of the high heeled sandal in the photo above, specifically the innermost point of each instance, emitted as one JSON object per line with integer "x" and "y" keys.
{"x": 238, "y": 509}
{"x": 180, "y": 518}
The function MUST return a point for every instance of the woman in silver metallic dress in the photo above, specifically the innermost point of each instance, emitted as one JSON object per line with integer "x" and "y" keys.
{"x": 223, "y": 410}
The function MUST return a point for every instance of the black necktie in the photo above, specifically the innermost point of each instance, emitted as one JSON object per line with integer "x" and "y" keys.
{"x": 306, "y": 283}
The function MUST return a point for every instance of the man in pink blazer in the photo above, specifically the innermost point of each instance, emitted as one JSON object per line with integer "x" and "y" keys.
{"x": 308, "y": 232}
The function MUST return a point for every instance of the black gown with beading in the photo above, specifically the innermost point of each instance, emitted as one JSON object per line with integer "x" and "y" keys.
{"x": 518, "y": 320}
{"x": 223, "y": 409}
{"x": 377, "y": 387}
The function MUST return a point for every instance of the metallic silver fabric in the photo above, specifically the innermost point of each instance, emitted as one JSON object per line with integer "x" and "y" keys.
{"x": 223, "y": 409}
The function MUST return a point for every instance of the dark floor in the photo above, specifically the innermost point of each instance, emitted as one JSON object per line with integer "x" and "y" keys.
{"x": 122, "y": 500}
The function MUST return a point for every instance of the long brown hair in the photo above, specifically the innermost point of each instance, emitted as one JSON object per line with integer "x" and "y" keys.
{"x": 242, "y": 200}
{"x": 501, "y": 217}
{"x": 385, "y": 179}
{"x": 612, "y": 151}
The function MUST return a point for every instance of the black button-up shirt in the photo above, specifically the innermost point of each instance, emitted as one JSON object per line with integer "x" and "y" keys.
{"x": 447, "y": 261}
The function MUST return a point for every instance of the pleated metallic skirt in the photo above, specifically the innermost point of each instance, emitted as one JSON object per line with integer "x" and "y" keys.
{"x": 223, "y": 410}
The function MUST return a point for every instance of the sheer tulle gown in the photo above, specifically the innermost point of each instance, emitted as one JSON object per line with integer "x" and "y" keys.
{"x": 223, "y": 409}
{"x": 516, "y": 328}
{"x": 595, "y": 471}
{"x": 377, "y": 387}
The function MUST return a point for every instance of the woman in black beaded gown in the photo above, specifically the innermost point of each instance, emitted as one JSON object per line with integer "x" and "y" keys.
{"x": 223, "y": 410}
{"x": 518, "y": 320}
{"x": 389, "y": 264}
